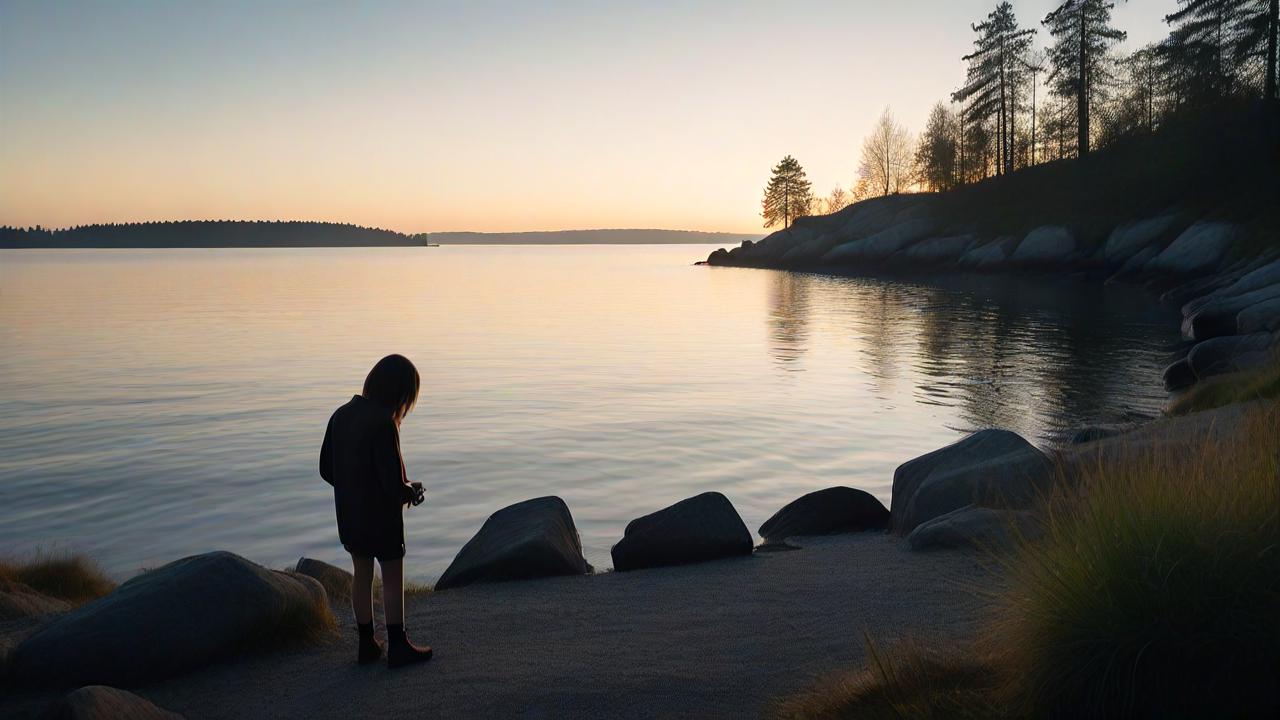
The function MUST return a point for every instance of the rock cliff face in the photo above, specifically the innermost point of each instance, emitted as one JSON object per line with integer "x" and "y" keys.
{"x": 1226, "y": 293}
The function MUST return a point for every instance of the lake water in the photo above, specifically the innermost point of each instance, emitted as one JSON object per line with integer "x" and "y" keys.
{"x": 158, "y": 403}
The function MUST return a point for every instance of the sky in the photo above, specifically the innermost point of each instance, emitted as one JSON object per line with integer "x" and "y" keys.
{"x": 468, "y": 115}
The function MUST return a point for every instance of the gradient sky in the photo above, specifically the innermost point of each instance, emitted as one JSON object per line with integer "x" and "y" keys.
{"x": 476, "y": 115}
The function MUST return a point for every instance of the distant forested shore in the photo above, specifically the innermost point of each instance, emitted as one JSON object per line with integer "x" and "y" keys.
{"x": 293, "y": 233}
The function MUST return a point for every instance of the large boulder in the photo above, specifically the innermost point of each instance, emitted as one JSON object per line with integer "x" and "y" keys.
{"x": 172, "y": 619}
{"x": 880, "y": 245}
{"x": 1199, "y": 249}
{"x": 1218, "y": 317}
{"x": 99, "y": 702}
{"x": 531, "y": 539}
{"x": 700, "y": 528}
{"x": 975, "y": 527}
{"x": 1220, "y": 355}
{"x": 1259, "y": 317}
{"x": 936, "y": 251}
{"x": 1048, "y": 245}
{"x": 989, "y": 256}
{"x": 1134, "y": 265}
{"x": 833, "y": 510}
{"x": 1179, "y": 375}
{"x": 335, "y": 581}
{"x": 719, "y": 256}
{"x": 990, "y": 467}
{"x": 1257, "y": 278}
{"x": 1131, "y": 238}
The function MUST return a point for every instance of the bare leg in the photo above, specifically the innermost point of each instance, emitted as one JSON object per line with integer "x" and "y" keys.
{"x": 392, "y": 590}
{"x": 400, "y": 651}
{"x": 362, "y": 589}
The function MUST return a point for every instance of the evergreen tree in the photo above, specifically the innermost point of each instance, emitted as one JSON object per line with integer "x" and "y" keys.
{"x": 1215, "y": 46}
{"x": 788, "y": 194}
{"x": 996, "y": 68}
{"x": 1082, "y": 35}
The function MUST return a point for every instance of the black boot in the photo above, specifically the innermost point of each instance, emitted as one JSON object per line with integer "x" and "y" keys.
{"x": 370, "y": 649}
{"x": 400, "y": 651}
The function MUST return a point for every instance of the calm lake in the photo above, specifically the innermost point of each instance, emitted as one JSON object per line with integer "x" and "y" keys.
{"x": 159, "y": 403}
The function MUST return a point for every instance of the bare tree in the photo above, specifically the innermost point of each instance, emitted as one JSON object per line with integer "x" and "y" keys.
{"x": 837, "y": 200}
{"x": 888, "y": 160}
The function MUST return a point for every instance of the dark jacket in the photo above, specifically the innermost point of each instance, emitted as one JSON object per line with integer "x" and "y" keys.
{"x": 361, "y": 459}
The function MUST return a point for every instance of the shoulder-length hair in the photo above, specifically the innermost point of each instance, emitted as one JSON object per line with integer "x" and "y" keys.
{"x": 393, "y": 382}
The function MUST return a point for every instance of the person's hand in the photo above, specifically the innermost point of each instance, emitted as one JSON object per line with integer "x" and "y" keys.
{"x": 419, "y": 494}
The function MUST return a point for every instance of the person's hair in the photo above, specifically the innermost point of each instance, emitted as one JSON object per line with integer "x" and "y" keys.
{"x": 394, "y": 383}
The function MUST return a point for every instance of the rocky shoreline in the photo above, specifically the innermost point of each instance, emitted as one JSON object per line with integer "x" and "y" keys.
{"x": 981, "y": 492}
{"x": 1229, "y": 296}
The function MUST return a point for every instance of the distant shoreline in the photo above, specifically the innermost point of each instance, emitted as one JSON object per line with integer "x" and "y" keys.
{"x": 298, "y": 234}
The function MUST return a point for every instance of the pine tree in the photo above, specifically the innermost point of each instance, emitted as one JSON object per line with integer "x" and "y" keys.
{"x": 788, "y": 194}
{"x": 996, "y": 68}
{"x": 1082, "y": 35}
{"x": 1216, "y": 45}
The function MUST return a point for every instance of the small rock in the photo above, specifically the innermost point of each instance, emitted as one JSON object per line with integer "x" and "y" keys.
{"x": 531, "y": 539}
{"x": 975, "y": 527}
{"x": 335, "y": 580}
{"x": 700, "y": 528}
{"x": 99, "y": 702}
{"x": 833, "y": 510}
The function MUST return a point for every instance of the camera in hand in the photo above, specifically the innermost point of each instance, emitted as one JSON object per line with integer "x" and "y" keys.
{"x": 419, "y": 494}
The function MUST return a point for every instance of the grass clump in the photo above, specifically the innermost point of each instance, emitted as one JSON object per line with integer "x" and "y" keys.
{"x": 908, "y": 681}
{"x": 73, "y": 578}
{"x": 1262, "y": 383}
{"x": 1156, "y": 589}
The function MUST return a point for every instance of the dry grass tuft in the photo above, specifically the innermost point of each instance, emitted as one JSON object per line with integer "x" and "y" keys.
{"x": 73, "y": 578}
{"x": 1261, "y": 383}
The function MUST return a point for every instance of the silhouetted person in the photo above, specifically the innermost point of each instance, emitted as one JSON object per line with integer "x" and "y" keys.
{"x": 361, "y": 459}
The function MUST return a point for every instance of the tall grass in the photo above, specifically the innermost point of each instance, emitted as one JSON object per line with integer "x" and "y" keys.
{"x": 1255, "y": 384}
{"x": 1156, "y": 589}
{"x": 73, "y": 578}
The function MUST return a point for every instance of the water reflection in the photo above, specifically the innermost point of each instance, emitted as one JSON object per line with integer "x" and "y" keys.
{"x": 789, "y": 319}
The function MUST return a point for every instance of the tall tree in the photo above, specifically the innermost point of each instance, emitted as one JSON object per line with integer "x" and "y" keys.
{"x": 996, "y": 67}
{"x": 1218, "y": 44}
{"x": 1035, "y": 63}
{"x": 887, "y": 159}
{"x": 1082, "y": 35}
{"x": 836, "y": 201}
{"x": 788, "y": 195}
{"x": 936, "y": 153}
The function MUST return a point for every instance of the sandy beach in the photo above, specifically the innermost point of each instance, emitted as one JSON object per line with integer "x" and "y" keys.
{"x": 718, "y": 639}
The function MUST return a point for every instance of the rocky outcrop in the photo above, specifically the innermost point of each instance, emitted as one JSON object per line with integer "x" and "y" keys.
{"x": 531, "y": 539}
{"x": 1199, "y": 249}
{"x": 1179, "y": 375}
{"x": 1132, "y": 238}
{"x": 989, "y": 256}
{"x": 833, "y": 510}
{"x": 937, "y": 251}
{"x": 1221, "y": 355}
{"x": 1045, "y": 246}
{"x": 700, "y": 528}
{"x": 993, "y": 467}
{"x": 335, "y": 581}
{"x": 1259, "y": 317}
{"x": 184, "y": 614}
{"x": 975, "y": 527}
{"x": 1218, "y": 316}
{"x": 881, "y": 245}
{"x": 99, "y": 702}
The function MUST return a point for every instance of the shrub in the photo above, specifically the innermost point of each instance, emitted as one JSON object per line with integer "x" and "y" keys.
{"x": 1156, "y": 589}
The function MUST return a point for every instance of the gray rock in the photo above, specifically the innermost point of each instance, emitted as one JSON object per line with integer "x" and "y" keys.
{"x": 531, "y": 539}
{"x": 184, "y": 614}
{"x": 1048, "y": 245}
{"x": 1094, "y": 433}
{"x": 1218, "y": 318}
{"x": 880, "y": 245}
{"x": 1199, "y": 249}
{"x": 1131, "y": 238}
{"x": 700, "y": 528}
{"x": 1134, "y": 265}
{"x": 975, "y": 527}
{"x": 989, "y": 256}
{"x": 990, "y": 467}
{"x": 1259, "y": 317}
{"x": 1256, "y": 279}
{"x": 335, "y": 581}
{"x": 99, "y": 702}
{"x": 1220, "y": 355}
{"x": 937, "y": 251}
{"x": 833, "y": 510}
{"x": 719, "y": 256}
